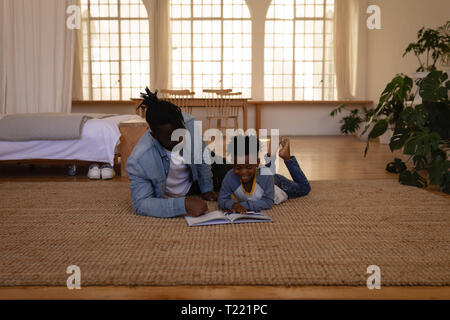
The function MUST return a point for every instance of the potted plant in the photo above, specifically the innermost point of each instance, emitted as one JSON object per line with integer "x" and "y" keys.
{"x": 354, "y": 122}
{"x": 431, "y": 49}
{"x": 421, "y": 129}
{"x": 431, "y": 45}
{"x": 445, "y": 59}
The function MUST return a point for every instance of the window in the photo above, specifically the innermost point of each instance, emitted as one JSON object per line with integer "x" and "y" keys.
{"x": 298, "y": 50}
{"x": 116, "y": 49}
{"x": 211, "y": 45}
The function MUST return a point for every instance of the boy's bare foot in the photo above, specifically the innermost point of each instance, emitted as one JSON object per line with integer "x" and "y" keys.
{"x": 285, "y": 149}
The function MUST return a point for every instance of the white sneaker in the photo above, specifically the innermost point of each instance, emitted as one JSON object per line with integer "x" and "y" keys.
{"x": 94, "y": 172}
{"x": 107, "y": 172}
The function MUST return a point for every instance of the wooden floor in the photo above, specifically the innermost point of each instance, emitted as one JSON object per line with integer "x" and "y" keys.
{"x": 321, "y": 158}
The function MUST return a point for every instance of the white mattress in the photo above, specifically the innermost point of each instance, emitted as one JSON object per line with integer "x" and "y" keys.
{"x": 97, "y": 144}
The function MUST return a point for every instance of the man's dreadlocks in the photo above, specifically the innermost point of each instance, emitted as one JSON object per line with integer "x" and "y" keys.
{"x": 160, "y": 112}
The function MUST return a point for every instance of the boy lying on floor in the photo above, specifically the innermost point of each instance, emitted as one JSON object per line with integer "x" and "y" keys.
{"x": 253, "y": 190}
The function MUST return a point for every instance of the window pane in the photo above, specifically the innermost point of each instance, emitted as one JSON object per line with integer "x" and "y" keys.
{"x": 298, "y": 40}
{"x": 221, "y": 40}
{"x": 116, "y": 48}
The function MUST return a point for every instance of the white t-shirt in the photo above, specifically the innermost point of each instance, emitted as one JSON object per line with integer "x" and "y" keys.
{"x": 279, "y": 195}
{"x": 179, "y": 178}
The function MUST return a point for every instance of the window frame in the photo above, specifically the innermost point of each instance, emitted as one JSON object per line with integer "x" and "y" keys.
{"x": 255, "y": 86}
{"x": 222, "y": 19}
{"x": 88, "y": 45}
{"x": 293, "y": 76}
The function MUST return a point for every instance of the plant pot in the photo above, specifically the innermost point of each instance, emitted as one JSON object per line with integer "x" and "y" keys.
{"x": 420, "y": 75}
{"x": 361, "y": 129}
{"x": 385, "y": 138}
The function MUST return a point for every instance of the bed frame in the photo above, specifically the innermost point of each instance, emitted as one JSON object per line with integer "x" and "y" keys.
{"x": 56, "y": 162}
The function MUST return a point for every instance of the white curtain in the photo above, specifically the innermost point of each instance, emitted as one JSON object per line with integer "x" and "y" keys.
{"x": 161, "y": 49}
{"x": 2, "y": 60}
{"x": 77, "y": 80}
{"x": 346, "y": 26}
{"x": 38, "y": 50}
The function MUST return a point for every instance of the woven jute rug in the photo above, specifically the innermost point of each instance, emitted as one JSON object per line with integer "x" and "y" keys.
{"x": 329, "y": 237}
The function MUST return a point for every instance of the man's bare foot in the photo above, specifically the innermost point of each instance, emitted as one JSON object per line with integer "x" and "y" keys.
{"x": 285, "y": 149}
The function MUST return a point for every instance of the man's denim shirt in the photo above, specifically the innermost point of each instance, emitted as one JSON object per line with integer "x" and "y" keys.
{"x": 147, "y": 169}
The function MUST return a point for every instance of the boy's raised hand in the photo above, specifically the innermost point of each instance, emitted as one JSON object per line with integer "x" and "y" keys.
{"x": 195, "y": 207}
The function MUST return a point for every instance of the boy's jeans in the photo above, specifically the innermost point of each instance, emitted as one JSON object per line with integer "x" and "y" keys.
{"x": 297, "y": 188}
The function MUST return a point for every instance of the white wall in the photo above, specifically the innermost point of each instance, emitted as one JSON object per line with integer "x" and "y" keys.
{"x": 400, "y": 21}
{"x": 130, "y": 108}
{"x": 102, "y": 108}
{"x": 2, "y": 63}
{"x": 290, "y": 119}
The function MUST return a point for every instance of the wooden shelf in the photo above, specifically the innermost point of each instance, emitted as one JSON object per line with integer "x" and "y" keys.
{"x": 327, "y": 102}
{"x": 102, "y": 102}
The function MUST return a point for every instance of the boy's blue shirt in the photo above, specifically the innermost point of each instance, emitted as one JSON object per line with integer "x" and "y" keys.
{"x": 231, "y": 184}
{"x": 148, "y": 167}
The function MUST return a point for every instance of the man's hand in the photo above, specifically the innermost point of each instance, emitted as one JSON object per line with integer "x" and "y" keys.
{"x": 210, "y": 196}
{"x": 195, "y": 207}
{"x": 237, "y": 207}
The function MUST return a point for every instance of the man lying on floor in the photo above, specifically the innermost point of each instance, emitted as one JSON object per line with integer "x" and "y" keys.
{"x": 161, "y": 181}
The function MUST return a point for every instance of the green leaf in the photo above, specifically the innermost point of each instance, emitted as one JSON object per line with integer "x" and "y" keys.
{"x": 351, "y": 122}
{"x": 398, "y": 140}
{"x": 408, "y": 84}
{"x": 412, "y": 178}
{"x": 445, "y": 186}
{"x": 417, "y": 116}
{"x": 439, "y": 118}
{"x": 430, "y": 87}
{"x": 421, "y": 143}
{"x": 402, "y": 85}
{"x": 409, "y": 147}
{"x": 406, "y": 113}
{"x": 437, "y": 169}
{"x": 338, "y": 109}
{"x": 420, "y": 162}
{"x": 420, "y": 115}
{"x": 394, "y": 89}
{"x": 378, "y": 129}
{"x": 442, "y": 93}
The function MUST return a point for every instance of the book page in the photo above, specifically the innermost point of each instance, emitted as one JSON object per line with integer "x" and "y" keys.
{"x": 213, "y": 217}
{"x": 249, "y": 216}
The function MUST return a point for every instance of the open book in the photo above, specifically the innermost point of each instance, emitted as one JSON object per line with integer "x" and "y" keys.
{"x": 219, "y": 217}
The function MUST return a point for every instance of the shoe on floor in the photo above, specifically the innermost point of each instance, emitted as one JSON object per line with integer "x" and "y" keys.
{"x": 72, "y": 170}
{"x": 107, "y": 172}
{"x": 94, "y": 172}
